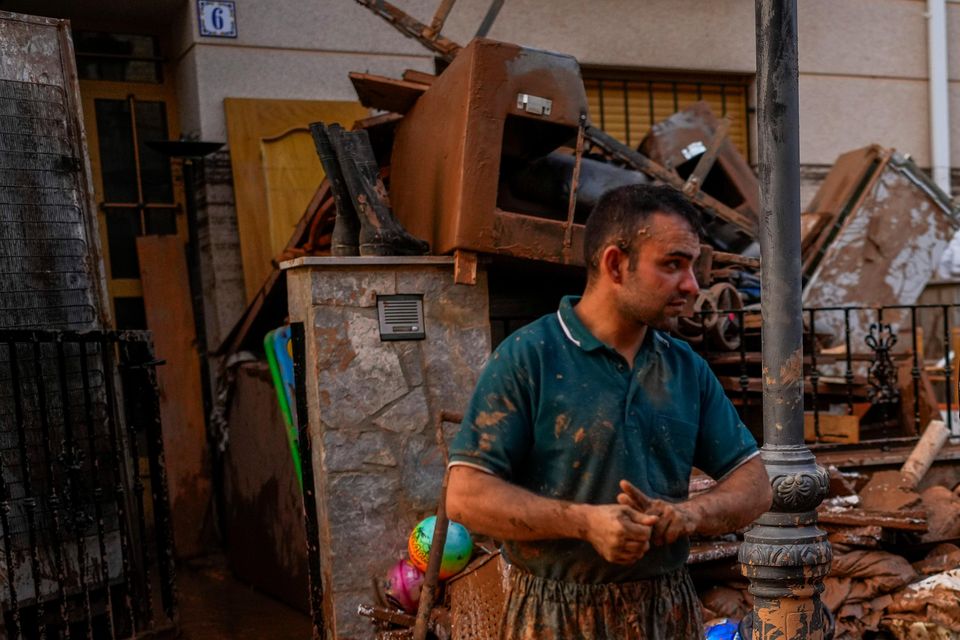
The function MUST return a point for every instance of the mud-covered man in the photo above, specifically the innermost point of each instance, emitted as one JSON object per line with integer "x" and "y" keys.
{"x": 578, "y": 444}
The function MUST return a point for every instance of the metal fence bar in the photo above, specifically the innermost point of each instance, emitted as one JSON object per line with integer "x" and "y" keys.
{"x": 97, "y": 488}
{"x": 113, "y": 417}
{"x": 947, "y": 366}
{"x": 11, "y": 573}
{"x": 298, "y": 342}
{"x": 848, "y": 357}
{"x": 130, "y": 369}
{"x": 163, "y": 527}
{"x": 53, "y": 498}
{"x": 72, "y": 462}
{"x": 744, "y": 378}
{"x": 814, "y": 375}
{"x": 29, "y": 501}
{"x": 915, "y": 370}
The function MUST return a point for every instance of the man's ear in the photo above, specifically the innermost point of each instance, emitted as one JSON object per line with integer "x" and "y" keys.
{"x": 613, "y": 263}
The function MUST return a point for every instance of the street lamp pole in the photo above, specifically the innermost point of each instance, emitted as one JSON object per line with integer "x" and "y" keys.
{"x": 786, "y": 555}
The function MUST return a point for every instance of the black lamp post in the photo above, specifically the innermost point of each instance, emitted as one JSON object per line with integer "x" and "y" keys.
{"x": 785, "y": 556}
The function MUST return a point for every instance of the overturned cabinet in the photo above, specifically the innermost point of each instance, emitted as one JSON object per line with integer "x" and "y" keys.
{"x": 497, "y": 109}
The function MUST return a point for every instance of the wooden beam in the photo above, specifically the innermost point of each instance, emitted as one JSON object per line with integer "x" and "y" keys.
{"x": 899, "y": 520}
{"x": 639, "y": 162}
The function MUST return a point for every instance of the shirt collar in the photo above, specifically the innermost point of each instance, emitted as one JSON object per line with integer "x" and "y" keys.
{"x": 579, "y": 335}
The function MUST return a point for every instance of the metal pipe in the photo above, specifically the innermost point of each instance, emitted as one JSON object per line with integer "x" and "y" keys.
{"x": 785, "y": 555}
{"x": 939, "y": 93}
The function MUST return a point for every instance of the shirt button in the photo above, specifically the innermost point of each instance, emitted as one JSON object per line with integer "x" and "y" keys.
{"x": 620, "y": 367}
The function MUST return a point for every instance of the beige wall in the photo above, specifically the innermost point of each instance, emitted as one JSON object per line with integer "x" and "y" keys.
{"x": 863, "y": 62}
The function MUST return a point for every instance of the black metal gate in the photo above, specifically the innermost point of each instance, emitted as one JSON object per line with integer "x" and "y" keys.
{"x": 86, "y": 548}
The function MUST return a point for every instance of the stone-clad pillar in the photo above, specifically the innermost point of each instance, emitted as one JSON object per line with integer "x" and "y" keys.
{"x": 373, "y": 407}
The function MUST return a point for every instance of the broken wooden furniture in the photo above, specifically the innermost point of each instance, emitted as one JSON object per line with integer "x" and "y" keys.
{"x": 874, "y": 234}
{"x": 683, "y": 140}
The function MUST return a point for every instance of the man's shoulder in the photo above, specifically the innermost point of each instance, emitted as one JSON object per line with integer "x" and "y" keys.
{"x": 533, "y": 336}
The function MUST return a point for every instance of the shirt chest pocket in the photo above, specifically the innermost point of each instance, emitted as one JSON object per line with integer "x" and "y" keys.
{"x": 671, "y": 445}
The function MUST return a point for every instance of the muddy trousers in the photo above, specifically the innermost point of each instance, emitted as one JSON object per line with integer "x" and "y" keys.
{"x": 661, "y": 608}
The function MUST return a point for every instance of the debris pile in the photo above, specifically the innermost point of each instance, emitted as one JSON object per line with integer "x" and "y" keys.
{"x": 895, "y": 555}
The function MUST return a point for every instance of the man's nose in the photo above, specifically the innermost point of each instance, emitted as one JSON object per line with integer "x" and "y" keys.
{"x": 689, "y": 285}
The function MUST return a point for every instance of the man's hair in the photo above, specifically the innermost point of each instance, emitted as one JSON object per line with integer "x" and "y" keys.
{"x": 620, "y": 213}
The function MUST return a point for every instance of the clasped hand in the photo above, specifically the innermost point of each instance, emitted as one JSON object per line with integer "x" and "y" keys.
{"x": 674, "y": 520}
{"x": 622, "y": 533}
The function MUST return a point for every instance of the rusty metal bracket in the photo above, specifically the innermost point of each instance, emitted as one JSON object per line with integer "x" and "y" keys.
{"x": 439, "y": 17}
{"x": 574, "y": 185}
{"x": 464, "y": 267}
{"x": 413, "y": 28}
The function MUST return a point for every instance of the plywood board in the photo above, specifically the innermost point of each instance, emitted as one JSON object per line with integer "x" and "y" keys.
{"x": 166, "y": 294}
{"x": 250, "y": 124}
{"x": 833, "y": 428}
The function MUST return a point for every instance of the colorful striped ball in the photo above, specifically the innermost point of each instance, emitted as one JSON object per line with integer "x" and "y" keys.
{"x": 456, "y": 551}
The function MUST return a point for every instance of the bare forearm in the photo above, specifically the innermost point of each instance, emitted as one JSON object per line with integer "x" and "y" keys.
{"x": 735, "y": 502}
{"x": 491, "y": 506}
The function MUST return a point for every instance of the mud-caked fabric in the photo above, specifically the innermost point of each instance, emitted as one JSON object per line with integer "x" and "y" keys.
{"x": 558, "y": 412}
{"x": 661, "y": 608}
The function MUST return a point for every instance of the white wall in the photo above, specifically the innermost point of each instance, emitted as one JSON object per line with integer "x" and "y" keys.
{"x": 863, "y": 62}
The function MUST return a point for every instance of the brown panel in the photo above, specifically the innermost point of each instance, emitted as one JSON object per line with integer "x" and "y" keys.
{"x": 386, "y": 94}
{"x": 166, "y": 292}
{"x": 260, "y": 487}
{"x": 249, "y": 121}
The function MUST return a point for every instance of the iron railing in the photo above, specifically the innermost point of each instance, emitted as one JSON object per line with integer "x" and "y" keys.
{"x": 893, "y": 366}
{"x": 86, "y": 546}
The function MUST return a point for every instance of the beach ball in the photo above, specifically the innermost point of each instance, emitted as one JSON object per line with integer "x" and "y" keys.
{"x": 721, "y": 629}
{"x": 402, "y": 586}
{"x": 456, "y": 551}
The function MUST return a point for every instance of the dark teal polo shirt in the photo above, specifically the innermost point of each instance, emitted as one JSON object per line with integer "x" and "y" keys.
{"x": 562, "y": 414}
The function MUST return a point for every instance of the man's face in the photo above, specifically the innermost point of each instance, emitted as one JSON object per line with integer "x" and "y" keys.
{"x": 658, "y": 279}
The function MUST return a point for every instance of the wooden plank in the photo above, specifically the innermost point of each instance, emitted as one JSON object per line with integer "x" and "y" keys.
{"x": 811, "y": 225}
{"x": 705, "y": 163}
{"x": 722, "y": 257}
{"x": 169, "y": 311}
{"x": 421, "y": 77}
{"x": 833, "y": 428}
{"x": 386, "y": 94}
{"x": 900, "y": 520}
{"x": 639, "y": 162}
